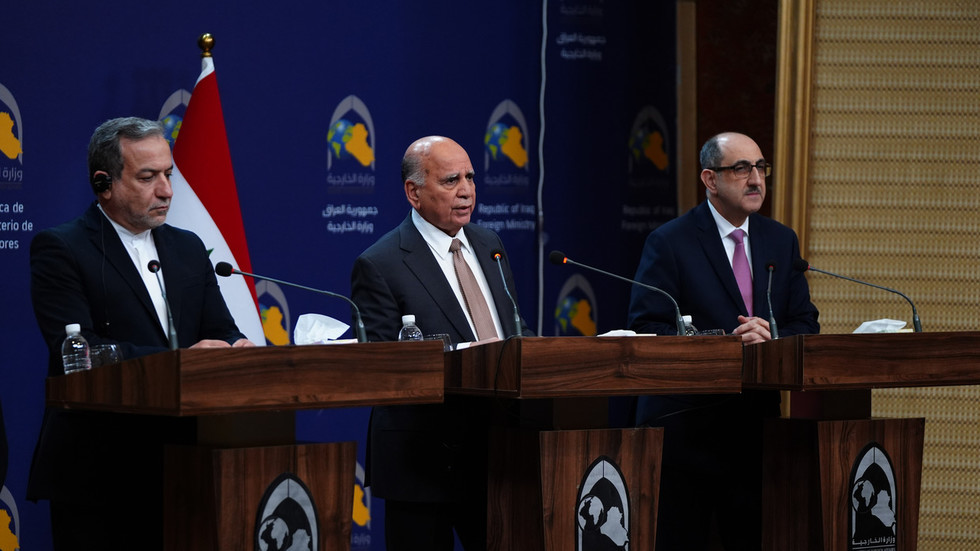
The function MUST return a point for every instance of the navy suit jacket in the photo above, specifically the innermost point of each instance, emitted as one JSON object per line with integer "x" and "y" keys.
{"x": 81, "y": 273}
{"x": 425, "y": 453}
{"x": 686, "y": 258}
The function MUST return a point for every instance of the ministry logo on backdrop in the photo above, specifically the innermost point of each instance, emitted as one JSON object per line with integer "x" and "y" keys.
{"x": 350, "y": 147}
{"x": 9, "y": 521}
{"x": 872, "y": 519}
{"x": 274, "y": 310}
{"x": 575, "y": 312}
{"x": 603, "y": 509}
{"x": 11, "y": 142}
{"x": 286, "y": 517}
{"x": 172, "y": 115}
{"x": 361, "y": 529}
{"x": 505, "y": 156}
{"x": 649, "y": 150}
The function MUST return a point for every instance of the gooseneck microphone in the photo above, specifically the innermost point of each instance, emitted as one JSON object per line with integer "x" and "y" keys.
{"x": 224, "y": 269}
{"x": 498, "y": 255}
{"x": 803, "y": 265}
{"x": 559, "y": 258}
{"x": 773, "y": 330}
{"x": 154, "y": 267}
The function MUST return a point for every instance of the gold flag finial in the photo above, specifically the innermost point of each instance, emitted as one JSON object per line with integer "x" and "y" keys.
{"x": 206, "y": 42}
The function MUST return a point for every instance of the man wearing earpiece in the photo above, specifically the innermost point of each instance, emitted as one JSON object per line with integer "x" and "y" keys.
{"x": 96, "y": 467}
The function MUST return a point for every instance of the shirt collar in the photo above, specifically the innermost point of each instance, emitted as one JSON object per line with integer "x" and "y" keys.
{"x": 437, "y": 239}
{"x": 724, "y": 226}
{"x": 125, "y": 235}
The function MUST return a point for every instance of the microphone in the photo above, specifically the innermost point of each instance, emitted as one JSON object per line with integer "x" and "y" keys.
{"x": 773, "y": 330}
{"x": 154, "y": 267}
{"x": 497, "y": 255}
{"x": 803, "y": 265}
{"x": 224, "y": 269}
{"x": 559, "y": 258}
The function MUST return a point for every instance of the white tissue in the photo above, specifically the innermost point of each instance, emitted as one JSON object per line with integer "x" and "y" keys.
{"x": 619, "y": 333}
{"x": 880, "y": 326}
{"x": 317, "y": 329}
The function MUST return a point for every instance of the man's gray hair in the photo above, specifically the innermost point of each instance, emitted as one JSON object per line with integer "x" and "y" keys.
{"x": 711, "y": 154}
{"x": 103, "y": 149}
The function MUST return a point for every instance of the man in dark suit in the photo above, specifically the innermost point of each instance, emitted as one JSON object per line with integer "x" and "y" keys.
{"x": 102, "y": 472}
{"x": 429, "y": 462}
{"x": 712, "y": 463}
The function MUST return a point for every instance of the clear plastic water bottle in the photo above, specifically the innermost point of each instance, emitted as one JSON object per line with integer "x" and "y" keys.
{"x": 75, "y": 351}
{"x": 409, "y": 331}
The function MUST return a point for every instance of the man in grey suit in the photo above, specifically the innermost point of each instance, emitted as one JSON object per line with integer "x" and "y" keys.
{"x": 429, "y": 462}
{"x": 103, "y": 472}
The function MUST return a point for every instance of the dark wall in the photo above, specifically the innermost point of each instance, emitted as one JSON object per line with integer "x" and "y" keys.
{"x": 736, "y": 72}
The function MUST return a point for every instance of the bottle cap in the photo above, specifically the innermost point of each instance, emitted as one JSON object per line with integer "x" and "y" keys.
{"x": 73, "y": 328}
{"x": 408, "y": 318}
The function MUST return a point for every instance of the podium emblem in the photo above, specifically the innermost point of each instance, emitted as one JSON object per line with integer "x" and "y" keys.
{"x": 286, "y": 517}
{"x": 603, "y": 508}
{"x": 872, "y": 524}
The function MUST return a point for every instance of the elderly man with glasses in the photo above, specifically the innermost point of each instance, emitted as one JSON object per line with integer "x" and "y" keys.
{"x": 717, "y": 261}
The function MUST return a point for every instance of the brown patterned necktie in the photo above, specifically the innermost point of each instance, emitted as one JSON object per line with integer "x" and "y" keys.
{"x": 472, "y": 295}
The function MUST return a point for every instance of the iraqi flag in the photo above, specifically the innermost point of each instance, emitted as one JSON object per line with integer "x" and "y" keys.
{"x": 206, "y": 200}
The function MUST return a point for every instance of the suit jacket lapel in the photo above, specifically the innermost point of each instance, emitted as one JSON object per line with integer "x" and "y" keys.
{"x": 760, "y": 274}
{"x": 482, "y": 249}
{"x": 117, "y": 257}
{"x": 714, "y": 250}
{"x": 423, "y": 266}
{"x": 172, "y": 269}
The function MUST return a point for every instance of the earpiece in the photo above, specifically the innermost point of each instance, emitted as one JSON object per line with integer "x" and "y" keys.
{"x": 101, "y": 182}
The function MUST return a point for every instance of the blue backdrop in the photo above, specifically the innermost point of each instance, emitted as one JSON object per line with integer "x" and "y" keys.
{"x": 586, "y": 88}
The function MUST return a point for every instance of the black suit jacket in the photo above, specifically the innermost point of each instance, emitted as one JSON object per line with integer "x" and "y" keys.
{"x": 686, "y": 258}
{"x": 81, "y": 273}
{"x": 425, "y": 453}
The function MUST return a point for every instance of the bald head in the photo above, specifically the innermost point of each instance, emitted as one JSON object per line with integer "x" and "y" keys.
{"x": 439, "y": 182}
{"x": 412, "y": 162}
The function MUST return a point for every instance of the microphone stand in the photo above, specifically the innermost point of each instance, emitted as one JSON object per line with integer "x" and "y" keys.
{"x": 559, "y": 258}
{"x": 359, "y": 323}
{"x": 916, "y": 324}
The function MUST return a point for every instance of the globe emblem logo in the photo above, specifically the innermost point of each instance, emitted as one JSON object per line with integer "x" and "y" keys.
{"x": 274, "y": 311}
{"x": 9, "y": 520}
{"x": 873, "y": 524}
{"x": 603, "y": 509}
{"x": 171, "y": 127}
{"x": 11, "y": 142}
{"x": 505, "y": 156}
{"x": 575, "y": 312}
{"x": 287, "y": 517}
{"x": 506, "y": 142}
{"x": 649, "y": 144}
{"x": 348, "y": 140}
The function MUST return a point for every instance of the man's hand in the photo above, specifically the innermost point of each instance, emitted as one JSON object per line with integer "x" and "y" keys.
{"x": 211, "y": 343}
{"x": 752, "y": 330}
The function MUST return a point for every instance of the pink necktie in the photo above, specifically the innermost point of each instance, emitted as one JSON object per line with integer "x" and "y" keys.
{"x": 740, "y": 265}
{"x": 472, "y": 295}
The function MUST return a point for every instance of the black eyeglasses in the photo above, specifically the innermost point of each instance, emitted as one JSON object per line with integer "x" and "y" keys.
{"x": 742, "y": 169}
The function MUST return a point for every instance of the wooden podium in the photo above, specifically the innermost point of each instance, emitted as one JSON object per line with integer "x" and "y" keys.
{"x": 826, "y": 485}
{"x": 562, "y": 489}
{"x": 247, "y": 478}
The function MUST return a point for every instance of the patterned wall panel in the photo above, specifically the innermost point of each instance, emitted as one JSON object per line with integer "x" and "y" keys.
{"x": 894, "y": 198}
